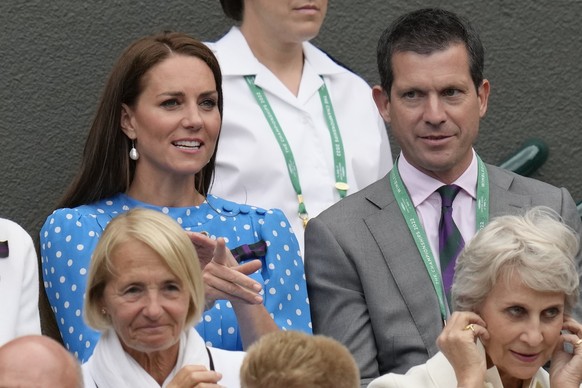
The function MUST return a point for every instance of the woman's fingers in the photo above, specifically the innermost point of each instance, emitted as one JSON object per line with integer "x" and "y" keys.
{"x": 249, "y": 268}
{"x": 204, "y": 245}
{"x": 457, "y": 342}
{"x": 195, "y": 376}
{"x": 466, "y": 322}
{"x": 223, "y": 255}
{"x": 572, "y": 326}
{"x": 211, "y": 250}
{"x": 232, "y": 283}
{"x": 460, "y": 335}
{"x": 223, "y": 277}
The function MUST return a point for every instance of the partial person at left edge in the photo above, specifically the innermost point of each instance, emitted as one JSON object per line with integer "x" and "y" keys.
{"x": 38, "y": 361}
{"x": 18, "y": 283}
{"x": 152, "y": 145}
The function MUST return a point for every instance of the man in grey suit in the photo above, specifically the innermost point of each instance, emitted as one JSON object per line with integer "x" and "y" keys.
{"x": 372, "y": 260}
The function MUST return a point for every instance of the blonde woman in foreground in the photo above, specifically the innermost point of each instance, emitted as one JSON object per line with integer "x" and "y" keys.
{"x": 144, "y": 293}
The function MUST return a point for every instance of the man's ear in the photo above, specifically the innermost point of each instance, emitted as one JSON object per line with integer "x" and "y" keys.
{"x": 126, "y": 122}
{"x": 382, "y": 100}
{"x": 483, "y": 95}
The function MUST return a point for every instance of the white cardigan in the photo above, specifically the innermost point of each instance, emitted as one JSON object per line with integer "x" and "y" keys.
{"x": 439, "y": 373}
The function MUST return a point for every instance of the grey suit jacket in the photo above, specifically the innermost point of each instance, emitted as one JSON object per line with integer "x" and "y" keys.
{"x": 367, "y": 284}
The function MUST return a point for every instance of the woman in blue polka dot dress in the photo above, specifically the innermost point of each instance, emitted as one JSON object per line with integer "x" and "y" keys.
{"x": 152, "y": 144}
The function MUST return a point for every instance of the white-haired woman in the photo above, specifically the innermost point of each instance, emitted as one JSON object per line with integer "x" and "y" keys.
{"x": 515, "y": 285}
{"x": 144, "y": 293}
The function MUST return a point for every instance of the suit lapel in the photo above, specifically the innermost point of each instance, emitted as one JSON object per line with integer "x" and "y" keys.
{"x": 501, "y": 199}
{"x": 398, "y": 248}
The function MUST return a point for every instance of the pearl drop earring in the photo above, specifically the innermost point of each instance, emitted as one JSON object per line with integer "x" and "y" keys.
{"x": 133, "y": 154}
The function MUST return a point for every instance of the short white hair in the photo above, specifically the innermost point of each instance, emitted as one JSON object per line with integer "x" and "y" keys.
{"x": 537, "y": 245}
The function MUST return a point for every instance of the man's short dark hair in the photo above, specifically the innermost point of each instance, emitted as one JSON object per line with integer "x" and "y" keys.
{"x": 425, "y": 31}
{"x": 233, "y": 9}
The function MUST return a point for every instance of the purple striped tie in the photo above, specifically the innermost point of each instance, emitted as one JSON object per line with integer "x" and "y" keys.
{"x": 450, "y": 240}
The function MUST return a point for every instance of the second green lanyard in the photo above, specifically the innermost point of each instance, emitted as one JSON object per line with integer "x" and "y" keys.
{"x": 336, "y": 140}
{"x": 418, "y": 233}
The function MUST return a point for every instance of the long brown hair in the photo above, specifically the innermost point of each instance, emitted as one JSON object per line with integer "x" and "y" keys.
{"x": 106, "y": 168}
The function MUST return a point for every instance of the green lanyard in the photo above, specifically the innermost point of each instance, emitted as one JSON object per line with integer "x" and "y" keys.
{"x": 336, "y": 140}
{"x": 418, "y": 233}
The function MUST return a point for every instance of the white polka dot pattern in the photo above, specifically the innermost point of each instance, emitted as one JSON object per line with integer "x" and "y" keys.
{"x": 69, "y": 236}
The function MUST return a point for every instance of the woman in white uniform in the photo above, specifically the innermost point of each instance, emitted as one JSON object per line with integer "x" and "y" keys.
{"x": 315, "y": 135}
{"x": 18, "y": 283}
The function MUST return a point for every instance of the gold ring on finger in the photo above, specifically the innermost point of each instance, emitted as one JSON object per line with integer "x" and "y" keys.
{"x": 470, "y": 327}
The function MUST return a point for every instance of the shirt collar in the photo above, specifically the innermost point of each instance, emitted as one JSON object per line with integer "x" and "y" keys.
{"x": 237, "y": 59}
{"x": 420, "y": 186}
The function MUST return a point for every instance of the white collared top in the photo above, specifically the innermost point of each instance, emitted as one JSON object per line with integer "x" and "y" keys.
{"x": 250, "y": 167}
{"x": 18, "y": 284}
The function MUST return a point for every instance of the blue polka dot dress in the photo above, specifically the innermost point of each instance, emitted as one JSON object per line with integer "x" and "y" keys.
{"x": 69, "y": 236}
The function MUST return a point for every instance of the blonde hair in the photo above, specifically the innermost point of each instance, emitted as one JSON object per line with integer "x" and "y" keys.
{"x": 537, "y": 246}
{"x": 164, "y": 236}
{"x": 293, "y": 359}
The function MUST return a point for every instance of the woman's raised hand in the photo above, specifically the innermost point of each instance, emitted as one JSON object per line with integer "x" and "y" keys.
{"x": 223, "y": 277}
{"x": 566, "y": 366}
{"x": 458, "y": 340}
